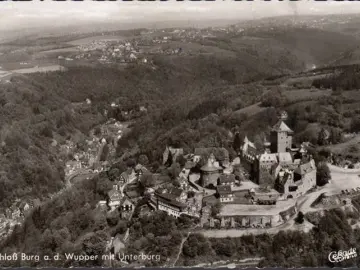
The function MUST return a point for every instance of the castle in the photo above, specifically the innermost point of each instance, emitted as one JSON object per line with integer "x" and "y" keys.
{"x": 288, "y": 169}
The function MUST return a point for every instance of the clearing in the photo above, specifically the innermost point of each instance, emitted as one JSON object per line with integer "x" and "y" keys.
{"x": 251, "y": 110}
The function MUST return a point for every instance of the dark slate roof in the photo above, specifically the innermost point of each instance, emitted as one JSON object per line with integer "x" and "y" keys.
{"x": 176, "y": 192}
{"x": 224, "y": 190}
{"x": 280, "y": 126}
{"x": 170, "y": 200}
{"x": 114, "y": 195}
{"x": 227, "y": 178}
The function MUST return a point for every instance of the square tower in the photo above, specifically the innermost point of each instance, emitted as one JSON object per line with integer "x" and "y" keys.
{"x": 281, "y": 136}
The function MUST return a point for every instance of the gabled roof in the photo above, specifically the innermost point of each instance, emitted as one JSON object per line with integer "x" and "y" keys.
{"x": 280, "y": 126}
{"x": 268, "y": 157}
{"x": 126, "y": 174}
{"x": 176, "y": 192}
{"x": 248, "y": 142}
{"x": 114, "y": 195}
{"x": 126, "y": 201}
{"x": 306, "y": 168}
{"x": 285, "y": 157}
{"x": 141, "y": 168}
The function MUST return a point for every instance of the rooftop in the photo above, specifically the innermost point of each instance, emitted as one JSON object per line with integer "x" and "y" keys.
{"x": 169, "y": 199}
{"x": 280, "y": 126}
{"x": 176, "y": 192}
{"x": 285, "y": 157}
{"x": 223, "y": 190}
{"x": 306, "y": 168}
{"x": 227, "y": 178}
{"x": 210, "y": 167}
{"x": 245, "y": 185}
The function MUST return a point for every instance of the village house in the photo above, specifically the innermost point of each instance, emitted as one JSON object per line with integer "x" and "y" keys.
{"x": 102, "y": 205}
{"x": 183, "y": 181}
{"x": 178, "y": 194}
{"x": 324, "y": 136}
{"x": 140, "y": 170}
{"x": 127, "y": 176}
{"x": 225, "y": 193}
{"x": 169, "y": 203}
{"x": 126, "y": 208}
{"x": 115, "y": 197}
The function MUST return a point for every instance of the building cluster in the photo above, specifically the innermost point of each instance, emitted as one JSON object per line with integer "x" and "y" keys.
{"x": 118, "y": 199}
{"x": 283, "y": 166}
{"x": 111, "y": 52}
{"x": 280, "y": 174}
{"x": 19, "y": 209}
{"x": 86, "y": 155}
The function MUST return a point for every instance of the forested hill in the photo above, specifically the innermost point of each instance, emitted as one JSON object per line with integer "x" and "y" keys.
{"x": 190, "y": 100}
{"x": 38, "y": 109}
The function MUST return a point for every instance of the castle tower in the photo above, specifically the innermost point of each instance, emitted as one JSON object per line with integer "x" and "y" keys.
{"x": 281, "y": 135}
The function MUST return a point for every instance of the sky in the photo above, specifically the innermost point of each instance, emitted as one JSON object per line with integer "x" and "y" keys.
{"x": 15, "y": 15}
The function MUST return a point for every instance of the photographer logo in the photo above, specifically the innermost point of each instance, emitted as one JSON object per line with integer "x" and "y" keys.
{"x": 339, "y": 256}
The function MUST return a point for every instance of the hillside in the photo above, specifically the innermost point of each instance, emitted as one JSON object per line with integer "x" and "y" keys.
{"x": 179, "y": 91}
{"x": 193, "y": 100}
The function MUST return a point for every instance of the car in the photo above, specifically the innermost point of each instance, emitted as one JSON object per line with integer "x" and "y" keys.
{"x": 358, "y": 188}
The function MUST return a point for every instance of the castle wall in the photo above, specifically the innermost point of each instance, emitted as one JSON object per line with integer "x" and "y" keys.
{"x": 258, "y": 221}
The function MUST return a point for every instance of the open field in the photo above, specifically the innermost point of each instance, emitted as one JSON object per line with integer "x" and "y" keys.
{"x": 196, "y": 48}
{"x": 55, "y": 52}
{"x": 251, "y": 110}
{"x": 304, "y": 79}
{"x": 39, "y": 69}
{"x": 306, "y": 94}
{"x": 341, "y": 148}
{"x": 89, "y": 40}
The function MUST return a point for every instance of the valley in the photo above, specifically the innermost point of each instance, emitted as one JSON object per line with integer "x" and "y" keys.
{"x": 133, "y": 141}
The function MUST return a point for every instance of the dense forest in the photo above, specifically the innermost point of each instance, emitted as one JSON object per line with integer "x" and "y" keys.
{"x": 347, "y": 79}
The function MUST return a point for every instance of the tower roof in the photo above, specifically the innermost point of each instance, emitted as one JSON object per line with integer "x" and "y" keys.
{"x": 280, "y": 126}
